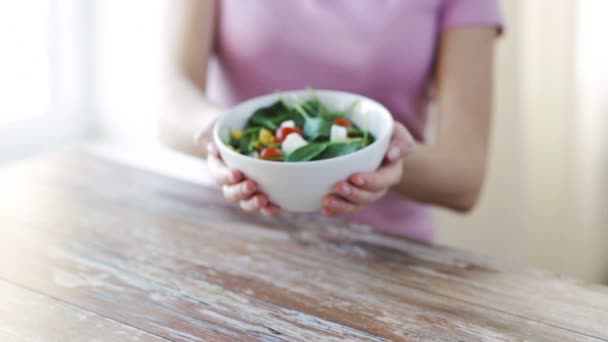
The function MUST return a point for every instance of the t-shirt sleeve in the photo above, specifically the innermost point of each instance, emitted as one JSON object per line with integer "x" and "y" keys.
{"x": 462, "y": 13}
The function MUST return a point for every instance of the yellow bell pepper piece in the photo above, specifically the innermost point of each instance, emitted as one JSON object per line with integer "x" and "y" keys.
{"x": 266, "y": 137}
{"x": 236, "y": 134}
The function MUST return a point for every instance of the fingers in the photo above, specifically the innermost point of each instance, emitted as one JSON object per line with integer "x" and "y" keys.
{"x": 334, "y": 206}
{"x": 351, "y": 199}
{"x": 260, "y": 203}
{"x": 379, "y": 180}
{"x": 357, "y": 195}
{"x": 250, "y": 201}
{"x": 220, "y": 172}
{"x": 240, "y": 191}
{"x": 236, "y": 188}
{"x": 401, "y": 143}
{"x": 254, "y": 203}
{"x": 204, "y": 135}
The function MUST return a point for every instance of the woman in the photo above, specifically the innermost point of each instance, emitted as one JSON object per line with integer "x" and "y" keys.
{"x": 403, "y": 53}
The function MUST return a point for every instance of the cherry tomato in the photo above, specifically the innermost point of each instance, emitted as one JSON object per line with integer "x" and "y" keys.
{"x": 271, "y": 153}
{"x": 283, "y": 132}
{"x": 343, "y": 122}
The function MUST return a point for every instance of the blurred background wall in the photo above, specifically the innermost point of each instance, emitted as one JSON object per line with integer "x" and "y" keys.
{"x": 546, "y": 196}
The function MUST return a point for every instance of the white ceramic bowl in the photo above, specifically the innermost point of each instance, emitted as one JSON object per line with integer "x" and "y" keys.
{"x": 301, "y": 186}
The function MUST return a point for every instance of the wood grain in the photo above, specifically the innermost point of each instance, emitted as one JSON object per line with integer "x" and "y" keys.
{"x": 172, "y": 259}
{"x": 28, "y": 316}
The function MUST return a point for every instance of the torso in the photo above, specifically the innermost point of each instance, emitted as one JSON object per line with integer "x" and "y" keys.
{"x": 384, "y": 49}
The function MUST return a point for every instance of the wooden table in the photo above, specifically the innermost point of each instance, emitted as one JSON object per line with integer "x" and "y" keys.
{"x": 93, "y": 249}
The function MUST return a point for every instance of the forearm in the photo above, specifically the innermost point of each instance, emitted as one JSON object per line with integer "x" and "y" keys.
{"x": 439, "y": 175}
{"x": 450, "y": 172}
{"x": 187, "y": 113}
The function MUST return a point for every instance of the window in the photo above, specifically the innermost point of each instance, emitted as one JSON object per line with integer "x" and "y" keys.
{"x": 45, "y": 73}
{"x": 24, "y": 68}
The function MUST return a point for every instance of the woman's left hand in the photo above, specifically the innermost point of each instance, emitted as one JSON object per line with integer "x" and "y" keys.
{"x": 363, "y": 189}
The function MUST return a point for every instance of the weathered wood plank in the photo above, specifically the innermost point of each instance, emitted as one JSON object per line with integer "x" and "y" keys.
{"x": 222, "y": 263}
{"x": 531, "y": 294}
{"x": 63, "y": 266}
{"x": 314, "y": 266}
{"x": 238, "y": 299}
{"x": 30, "y": 316}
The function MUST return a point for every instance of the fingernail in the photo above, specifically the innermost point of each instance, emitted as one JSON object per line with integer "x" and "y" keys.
{"x": 358, "y": 180}
{"x": 394, "y": 153}
{"x": 334, "y": 204}
{"x": 345, "y": 190}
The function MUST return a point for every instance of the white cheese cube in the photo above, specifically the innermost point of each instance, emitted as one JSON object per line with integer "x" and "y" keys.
{"x": 293, "y": 142}
{"x": 288, "y": 123}
{"x": 338, "y": 133}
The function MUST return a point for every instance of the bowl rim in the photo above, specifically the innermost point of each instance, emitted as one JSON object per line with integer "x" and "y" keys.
{"x": 221, "y": 145}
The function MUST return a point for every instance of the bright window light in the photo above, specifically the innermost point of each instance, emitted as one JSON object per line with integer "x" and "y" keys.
{"x": 24, "y": 60}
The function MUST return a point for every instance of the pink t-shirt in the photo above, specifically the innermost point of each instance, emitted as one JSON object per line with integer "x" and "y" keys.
{"x": 383, "y": 49}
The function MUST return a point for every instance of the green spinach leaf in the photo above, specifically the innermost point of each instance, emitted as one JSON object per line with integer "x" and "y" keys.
{"x": 293, "y": 115}
{"x": 307, "y": 152}
{"x": 339, "y": 149}
{"x": 250, "y": 130}
{"x": 368, "y": 138}
{"x": 317, "y": 127}
{"x": 301, "y": 111}
{"x": 245, "y": 143}
{"x": 232, "y": 142}
{"x": 314, "y": 118}
{"x": 267, "y": 116}
{"x": 314, "y": 107}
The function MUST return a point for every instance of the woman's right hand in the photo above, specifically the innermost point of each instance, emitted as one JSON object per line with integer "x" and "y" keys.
{"x": 236, "y": 187}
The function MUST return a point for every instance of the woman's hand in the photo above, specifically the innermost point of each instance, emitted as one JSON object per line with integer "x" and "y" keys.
{"x": 362, "y": 189}
{"x": 237, "y": 188}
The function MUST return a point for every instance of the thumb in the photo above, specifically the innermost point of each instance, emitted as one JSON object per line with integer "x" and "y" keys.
{"x": 401, "y": 143}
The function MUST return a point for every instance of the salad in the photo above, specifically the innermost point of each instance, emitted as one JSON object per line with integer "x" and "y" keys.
{"x": 304, "y": 131}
